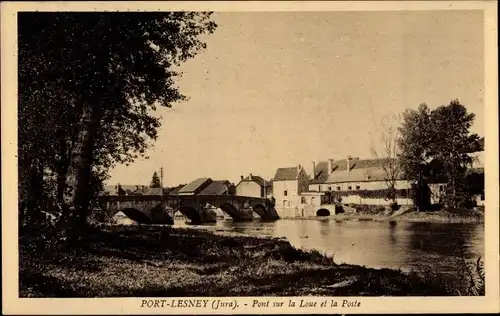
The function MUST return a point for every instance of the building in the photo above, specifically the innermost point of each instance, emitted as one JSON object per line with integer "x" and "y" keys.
{"x": 124, "y": 189}
{"x": 357, "y": 181}
{"x": 194, "y": 187}
{"x": 288, "y": 185}
{"x": 254, "y": 186}
{"x": 218, "y": 187}
{"x": 205, "y": 186}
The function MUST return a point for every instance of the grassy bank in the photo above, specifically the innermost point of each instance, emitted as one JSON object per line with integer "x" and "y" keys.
{"x": 159, "y": 261}
{"x": 428, "y": 217}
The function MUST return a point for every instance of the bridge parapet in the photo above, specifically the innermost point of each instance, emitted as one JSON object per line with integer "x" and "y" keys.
{"x": 192, "y": 206}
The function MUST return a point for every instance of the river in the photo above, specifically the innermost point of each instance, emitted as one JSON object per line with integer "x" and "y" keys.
{"x": 377, "y": 244}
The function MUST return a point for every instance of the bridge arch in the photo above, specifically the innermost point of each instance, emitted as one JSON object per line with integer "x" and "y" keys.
{"x": 237, "y": 212}
{"x": 135, "y": 215}
{"x": 322, "y": 212}
{"x": 159, "y": 215}
{"x": 229, "y": 210}
{"x": 260, "y": 210}
{"x": 191, "y": 213}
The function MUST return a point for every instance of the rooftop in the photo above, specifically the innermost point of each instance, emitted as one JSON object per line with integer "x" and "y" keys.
{"x": 285, "y": 174}
{"x": 217, "y": 187}
{"x": 257, "y": 179}
{"x": 360, "y": 170}
{"x": 195, "y": 185}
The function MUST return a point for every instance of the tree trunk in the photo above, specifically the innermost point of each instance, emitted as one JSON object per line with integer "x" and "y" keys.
{"x": 73, "y": 220}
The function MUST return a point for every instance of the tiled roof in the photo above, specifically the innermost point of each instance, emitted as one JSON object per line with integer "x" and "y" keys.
{"x": 284, "y": 174}
{"x": 217, "y": 187}
{"x": 361, "y": 170}
{"x": 321, "y": 172}
{"x": 132, "y": 189}
{"x": 174, "y": 190}
{"x": 259, "y": 180}
{"x": 195, "y": 185}
{"x": 152, "y": 191}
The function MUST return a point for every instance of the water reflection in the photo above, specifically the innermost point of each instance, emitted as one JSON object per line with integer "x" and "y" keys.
{"x": 409, "y": 246}
{"x": 392, "y": 231}
{"x": 324, "y": 228}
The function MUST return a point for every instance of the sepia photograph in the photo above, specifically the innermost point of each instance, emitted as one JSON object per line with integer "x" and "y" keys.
{"x": 178, "y": 155}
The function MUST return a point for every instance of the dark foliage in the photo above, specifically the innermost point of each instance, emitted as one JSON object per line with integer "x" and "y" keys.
{"x": 155, "y": 181}
{"x": 375, "y": 194}
{"x": 435, "y": 147}
{"x": 89, "y": 84}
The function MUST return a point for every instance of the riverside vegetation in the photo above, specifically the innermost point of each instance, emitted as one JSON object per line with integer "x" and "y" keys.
{"x": 121, "y": 261}
{"x": 442, "y": 215}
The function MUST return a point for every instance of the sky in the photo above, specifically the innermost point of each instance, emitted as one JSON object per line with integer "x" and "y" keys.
{"x": 278, "y": 89}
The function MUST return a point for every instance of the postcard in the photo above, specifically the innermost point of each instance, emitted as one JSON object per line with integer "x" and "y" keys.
{"x": 242, "y": 157}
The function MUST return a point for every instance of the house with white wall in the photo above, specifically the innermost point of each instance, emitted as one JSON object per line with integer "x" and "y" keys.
{"x": 288, "y": 185}
{"x": 351, "y": 178}
{"x": 254, "y": 186}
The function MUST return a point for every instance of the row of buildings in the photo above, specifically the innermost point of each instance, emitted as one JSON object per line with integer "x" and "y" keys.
{"x": 300, "y": 192}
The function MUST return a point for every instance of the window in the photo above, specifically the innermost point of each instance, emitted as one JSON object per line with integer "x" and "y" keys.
{"x": 349, "y": 188}
{"x": 285, "y": 202}
{"x": 441, "y": 188}
{"x": 303, "y": 200}
{"x": 338, "y": 188}
{"x": 285, "y": 193}
{"x": 329, "y": 188}
{"x": 358, "y": 187}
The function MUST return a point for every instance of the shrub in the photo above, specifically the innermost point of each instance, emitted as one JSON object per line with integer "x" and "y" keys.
{"x": 379, "y": 209}
{"x": 395, "y": 206}
{"x": 380, "y": 194}
{"x": 471, "y": 273}
{"x": 368, "y": 209}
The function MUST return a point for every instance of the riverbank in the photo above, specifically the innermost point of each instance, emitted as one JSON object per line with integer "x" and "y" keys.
{"x": 165, "y": 261}
{"x": 427, "y": 217}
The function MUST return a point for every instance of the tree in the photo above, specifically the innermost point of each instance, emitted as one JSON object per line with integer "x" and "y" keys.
{"x": 414, "y": 151}
{"x": 451, "y": 144}
{"x": 435, "y": 146}
{"x": 88, "y": 84}
{"x": 155, "y": 181}
{"x": 388, "y": 156}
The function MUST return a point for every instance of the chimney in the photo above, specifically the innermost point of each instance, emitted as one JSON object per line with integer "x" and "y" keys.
{"x": 299, "y": 167}
{"x": 250, "y": 177}
{"x": 241, "y": 178}
{"x": 330, "y": 166}
{"x": 349, "y": 163}
{"x": 314, "y": 170}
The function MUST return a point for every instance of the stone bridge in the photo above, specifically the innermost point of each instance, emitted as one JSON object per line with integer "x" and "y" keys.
{"x": 155, "y": 209}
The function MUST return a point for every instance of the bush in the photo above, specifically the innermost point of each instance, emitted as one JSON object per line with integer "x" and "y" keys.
{"x": 395, "y": 206}
{"x": 380, "y": 194}
{"x": 368, "y": 209}
{"x": 339, "y": 209}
